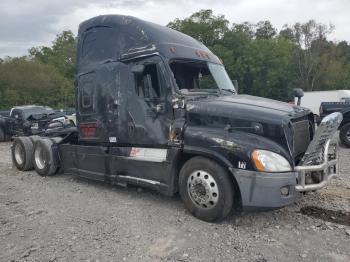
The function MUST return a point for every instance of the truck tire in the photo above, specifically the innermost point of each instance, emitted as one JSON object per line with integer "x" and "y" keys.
{"x": 45, "y": 161}
{"x": 2, "y": 135}
{"x": 22, "y": 152}
{"x": 344, "y": 134}
{"x": 206, "y": 189}
{"x": 34, "y": 139}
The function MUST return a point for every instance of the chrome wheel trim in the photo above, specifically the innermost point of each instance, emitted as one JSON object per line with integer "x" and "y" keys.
{"x": 203, "y": 189}
{"x": 40, "y": 158}
{"x": 19, "y": 154}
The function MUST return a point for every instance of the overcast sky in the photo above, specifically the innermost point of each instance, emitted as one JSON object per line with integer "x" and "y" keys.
{"x": 27, "y": 23}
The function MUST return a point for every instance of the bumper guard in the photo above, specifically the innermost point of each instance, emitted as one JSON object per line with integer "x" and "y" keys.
{"x": 329, "y": 169}
{"x": 320, "y": 160}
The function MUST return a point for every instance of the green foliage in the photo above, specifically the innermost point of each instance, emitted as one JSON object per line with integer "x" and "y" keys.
{"x": 202, "y": 25}
{"x": 61, "y": 55}
{"x": 26, "y": 81}
{"x": 45, "y": 77}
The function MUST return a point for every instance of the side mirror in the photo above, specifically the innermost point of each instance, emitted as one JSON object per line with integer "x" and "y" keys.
{"x": 298, "y": 93}
{"x": 138, "y": 69}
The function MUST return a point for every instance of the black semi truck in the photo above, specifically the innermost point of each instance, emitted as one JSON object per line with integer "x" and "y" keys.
{"x": 156, "y": 108}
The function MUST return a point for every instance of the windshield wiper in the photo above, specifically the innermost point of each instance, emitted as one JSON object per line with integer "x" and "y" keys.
{"x": 229, "y": 90}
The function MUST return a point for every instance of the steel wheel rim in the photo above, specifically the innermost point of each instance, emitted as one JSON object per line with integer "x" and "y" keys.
{"x": 19, "y": 154}
{"x": 203, "y": 189}
{"x": 40, "y": 158}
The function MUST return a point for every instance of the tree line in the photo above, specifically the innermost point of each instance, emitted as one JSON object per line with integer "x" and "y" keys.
{"x": 266, "y": 62}
{"x": 44, "y": 77}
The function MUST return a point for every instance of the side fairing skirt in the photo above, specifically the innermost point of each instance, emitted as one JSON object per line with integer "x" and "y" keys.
{"x": 149, "y": 167}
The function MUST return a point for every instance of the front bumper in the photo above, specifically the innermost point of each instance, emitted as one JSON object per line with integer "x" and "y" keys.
{"x": 318, "y": 165}
{"x": 268, "y": 190}
{"x": 263, "y": 190}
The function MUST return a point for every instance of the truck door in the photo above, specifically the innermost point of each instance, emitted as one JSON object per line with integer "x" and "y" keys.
{"x": 145, "y": 120}
{"x": 148, "y": 112}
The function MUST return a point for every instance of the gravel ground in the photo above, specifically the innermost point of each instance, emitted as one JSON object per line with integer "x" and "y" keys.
{"x": 63, "y": 218}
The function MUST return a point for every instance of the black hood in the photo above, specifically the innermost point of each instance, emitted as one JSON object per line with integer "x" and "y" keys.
{"x": 247, "y": 108}
{"x": 269, "y": 118}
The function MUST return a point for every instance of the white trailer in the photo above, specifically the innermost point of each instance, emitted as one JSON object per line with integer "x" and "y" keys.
{"x": 312, "y": 100}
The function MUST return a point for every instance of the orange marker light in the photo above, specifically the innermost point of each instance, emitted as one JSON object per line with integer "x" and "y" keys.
{"x": 257, "y": 162}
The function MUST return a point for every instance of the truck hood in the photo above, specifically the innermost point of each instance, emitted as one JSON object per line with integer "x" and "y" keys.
{"x": 246, "y": 107}
{"x": 286, "y": 124}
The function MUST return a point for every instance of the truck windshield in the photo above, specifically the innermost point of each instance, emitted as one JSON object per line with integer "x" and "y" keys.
{"x": 201, "y": 76}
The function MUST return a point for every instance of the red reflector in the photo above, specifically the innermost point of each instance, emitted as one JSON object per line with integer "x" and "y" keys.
{"x": 88, "y": 129}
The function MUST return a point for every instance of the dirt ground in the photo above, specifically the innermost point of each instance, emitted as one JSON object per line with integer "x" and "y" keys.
{"x": 64, "y": 218}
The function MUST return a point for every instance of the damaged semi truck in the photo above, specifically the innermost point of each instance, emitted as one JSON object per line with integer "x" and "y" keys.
{"x": 156, "y": 108}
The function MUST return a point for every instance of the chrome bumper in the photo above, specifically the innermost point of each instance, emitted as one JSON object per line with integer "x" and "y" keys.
{"x": 319, "y": 161}
{"x": 327, "y": 170}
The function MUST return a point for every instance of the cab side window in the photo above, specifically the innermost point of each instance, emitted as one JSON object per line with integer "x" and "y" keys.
{"x": 148, "y": 84}
{"x": 86, "y": 87}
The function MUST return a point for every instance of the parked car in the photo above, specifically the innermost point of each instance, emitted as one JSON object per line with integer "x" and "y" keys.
{"x": 70, "y": 115}
{"x": 28, "y": 120}
{"x": 156, "y": 108}
{"x": 4, "y": 113}
{"x": 327, "y": 108}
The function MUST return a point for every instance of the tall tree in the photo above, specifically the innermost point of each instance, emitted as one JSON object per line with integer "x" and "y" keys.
{"x": 311, "y": 57}
{"x": 265, "y": 30}
{"x": 202, "y": 25}
{"x": 61, "y": 55}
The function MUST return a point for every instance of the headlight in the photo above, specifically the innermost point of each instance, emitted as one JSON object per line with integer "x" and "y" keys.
{"x": 267, "y": 161}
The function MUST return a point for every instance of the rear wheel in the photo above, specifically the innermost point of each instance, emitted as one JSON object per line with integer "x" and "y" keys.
{"x": 22, "y": 153}
{"x": 206, "y": 189}
{"x": 344, "y": 135}
{"x": 45, "y": 160}
{"x": 34, "y": 139}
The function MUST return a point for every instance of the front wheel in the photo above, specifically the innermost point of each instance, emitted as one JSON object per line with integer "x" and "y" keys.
{"x": 206, "y": 189}
{"x": 344, "y": 135}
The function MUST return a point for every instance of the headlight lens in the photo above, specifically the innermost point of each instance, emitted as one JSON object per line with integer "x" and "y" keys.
{"x": 267, "y": 161}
